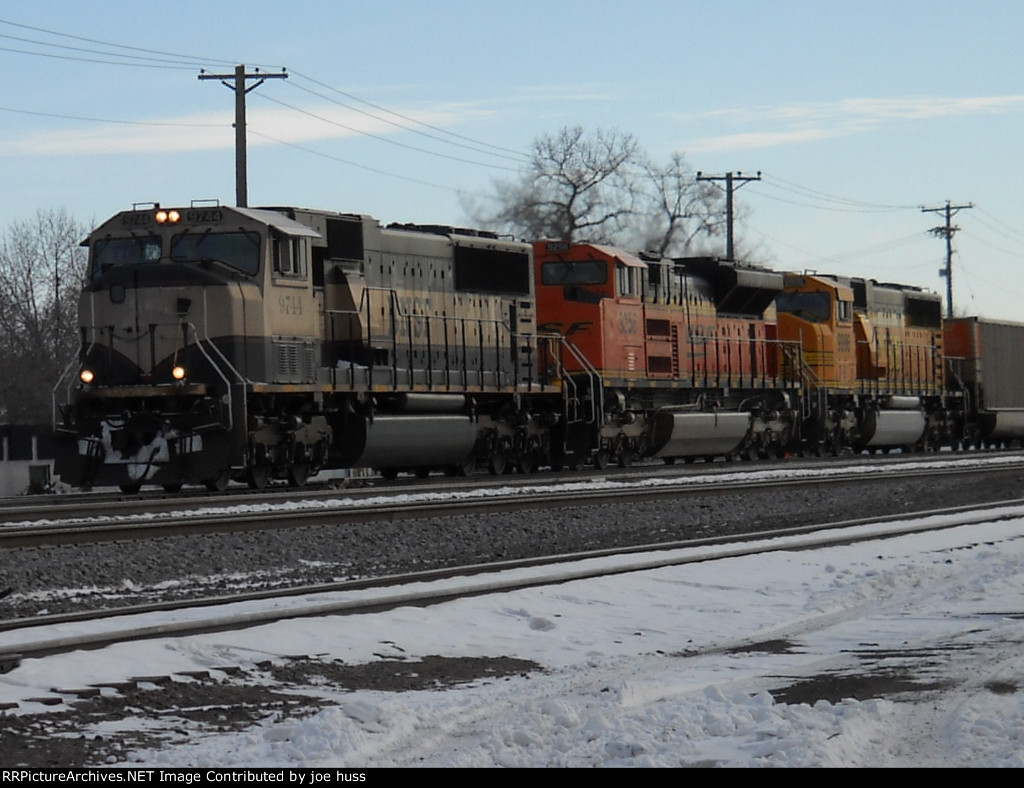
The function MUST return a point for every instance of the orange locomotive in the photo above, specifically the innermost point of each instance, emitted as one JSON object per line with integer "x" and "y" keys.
{"x": 697, "y": 357}
{"x": 872, "y": 361}
{"x": 675, "y": 357}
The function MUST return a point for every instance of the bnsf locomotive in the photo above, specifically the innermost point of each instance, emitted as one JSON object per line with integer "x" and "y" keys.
{"x": 222, "y": 344}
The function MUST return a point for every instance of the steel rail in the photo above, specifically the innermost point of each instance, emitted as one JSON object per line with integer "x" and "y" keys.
{"x": 226, "y": 518}
{"x": 21, "y": 640}
{"x": 24, "y": 509}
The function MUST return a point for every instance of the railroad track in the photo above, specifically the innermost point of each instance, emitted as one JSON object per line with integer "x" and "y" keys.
{"x": 110, "y": 521}
{"x": 106, "y": 502}
{"x": 47, "y": 635}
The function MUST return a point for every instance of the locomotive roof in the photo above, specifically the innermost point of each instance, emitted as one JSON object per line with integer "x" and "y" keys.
{"x": 618, "y": 254}
{"x": 279, "y": 221}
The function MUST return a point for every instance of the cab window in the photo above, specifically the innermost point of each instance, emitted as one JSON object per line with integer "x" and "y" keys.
{"x": 108, "y": 252}
{"x": 574, "y": 272}
{"x": 626, "y": 278}
{"x": 289, "y": 255}
{"x": 240, "y": 250}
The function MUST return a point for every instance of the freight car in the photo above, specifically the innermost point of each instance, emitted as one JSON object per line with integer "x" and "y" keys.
{"x": 224, "y": 343}
{"x": 986, "y": 365}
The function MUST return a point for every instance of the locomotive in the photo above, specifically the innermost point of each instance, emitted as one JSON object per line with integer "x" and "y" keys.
{"x": 225, "y": 343}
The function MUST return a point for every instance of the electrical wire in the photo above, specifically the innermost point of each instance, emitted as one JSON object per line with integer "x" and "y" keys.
{"x": 183, "y": 61}
{"x": 350, "y": 163}
{"x": 832, "y": 202}
{"x": 109, "y": 120}
{"x": 509, "y": 153}
{"x": 363, "y": 132}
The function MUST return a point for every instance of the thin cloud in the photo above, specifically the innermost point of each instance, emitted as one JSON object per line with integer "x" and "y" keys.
{"x": 214, "y": 131}
{"x": 866, "y": 108}
{"x": 759, "y": 139}
{"x": 810, "y": 122}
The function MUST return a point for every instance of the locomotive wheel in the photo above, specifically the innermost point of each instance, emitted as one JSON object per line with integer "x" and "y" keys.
{"x": 218, "y": 483}
{"x": 601, "y": 459}
{"x": 497, "y": 463}
{"x": 298, "y": 474}
{"x": 625, "y": 458}
{"x": 130, "y": 488}
{"x": 527, "y": 462}
{"x": 258, "y": 476}
{"x": 172, "y": 487}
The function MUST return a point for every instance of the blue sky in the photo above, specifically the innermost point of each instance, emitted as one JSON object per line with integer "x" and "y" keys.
{"x": 857, "y": 114}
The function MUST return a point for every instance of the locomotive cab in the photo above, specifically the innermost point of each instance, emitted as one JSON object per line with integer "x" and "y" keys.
{"x": 591, "y": 296}
{"x": 817, "y": 314}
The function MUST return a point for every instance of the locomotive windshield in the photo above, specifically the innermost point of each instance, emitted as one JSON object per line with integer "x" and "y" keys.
{"x": 108, "y": 252}
{"x": 579, "y": 272}
{"x": 240, "y": 250}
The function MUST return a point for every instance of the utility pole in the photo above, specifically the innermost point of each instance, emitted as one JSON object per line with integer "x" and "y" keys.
{"x": 947, "y": 231}
{"x": 237, "y": 84}
{"x": 731, "y": 179}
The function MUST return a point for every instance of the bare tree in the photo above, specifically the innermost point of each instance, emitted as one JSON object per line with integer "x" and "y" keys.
{"x": 575, "y": 187}
{"x": 678, "y": 210}
{"x": 41, "y": 270}
{"x": 602, "y": 188}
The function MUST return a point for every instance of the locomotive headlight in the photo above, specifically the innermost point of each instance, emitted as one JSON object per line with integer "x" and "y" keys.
{"x": 178, "y": 373}
{"x": 167, "y": 217}
{"x": 86, "y": 376}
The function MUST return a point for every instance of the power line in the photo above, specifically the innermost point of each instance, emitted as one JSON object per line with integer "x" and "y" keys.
{"x": 514, "y": 153}
{"x": 108, "y": 120}
{"x": 385, "y": 139}
{"x": 366, "y": 167}
{"x": 845, "y": 204}
{"x": 194, "y": 61}
{"x": 96, "y": 60}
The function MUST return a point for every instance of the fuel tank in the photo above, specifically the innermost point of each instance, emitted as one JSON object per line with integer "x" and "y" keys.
{"x": 408, "y": 441}
{"x": 889, "y": 428}
{"x": 685, "y": 433}
{"x": 1004, "y": 425}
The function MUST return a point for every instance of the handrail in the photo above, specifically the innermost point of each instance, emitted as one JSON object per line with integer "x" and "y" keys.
{"x": 399, "y": 316}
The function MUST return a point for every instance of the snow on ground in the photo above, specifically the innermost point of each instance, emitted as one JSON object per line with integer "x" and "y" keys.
{"x": 681, "y": 666}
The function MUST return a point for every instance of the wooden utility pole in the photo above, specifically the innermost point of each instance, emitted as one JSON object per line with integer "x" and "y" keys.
{"x": 947, "y": 231}
{"x": 236, "y": 82}
{"x": 731, "y": 179}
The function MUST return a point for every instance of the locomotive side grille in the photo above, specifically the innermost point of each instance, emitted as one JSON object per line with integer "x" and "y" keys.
{"x": 293, "y": 362}
{"x": 287, "y": 361}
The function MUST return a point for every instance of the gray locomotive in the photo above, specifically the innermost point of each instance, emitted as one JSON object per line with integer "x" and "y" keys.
{"x": 224, "y": 343}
